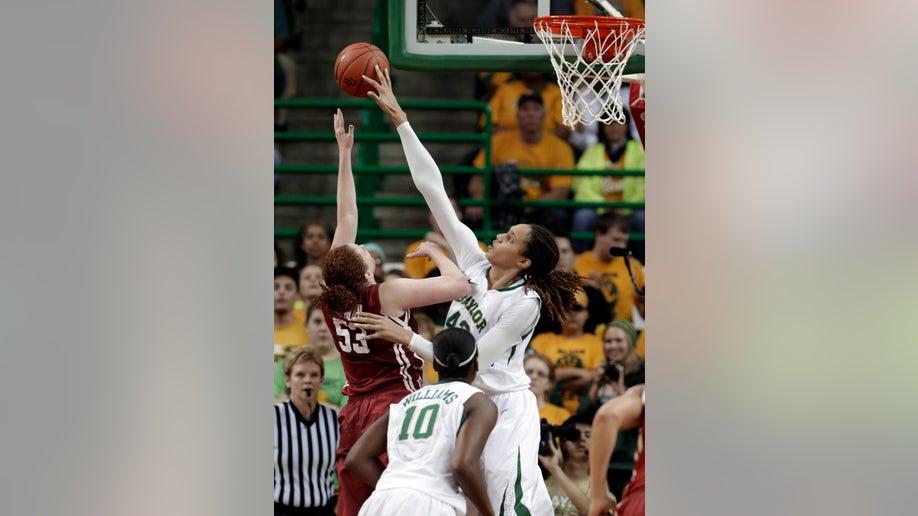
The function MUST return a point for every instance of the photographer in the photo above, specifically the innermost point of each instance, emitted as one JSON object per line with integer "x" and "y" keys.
{"x": 568, "y": 465}
{"x": 621, "y": 360}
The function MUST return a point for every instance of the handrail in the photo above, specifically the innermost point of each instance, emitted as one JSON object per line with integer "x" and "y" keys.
{"x": 484, "y": 236}
{"x": 375, "y": 170}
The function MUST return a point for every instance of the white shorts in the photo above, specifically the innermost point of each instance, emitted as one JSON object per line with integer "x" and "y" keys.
{"x": 510, "y": 459}
{"x": 410, "y": 502}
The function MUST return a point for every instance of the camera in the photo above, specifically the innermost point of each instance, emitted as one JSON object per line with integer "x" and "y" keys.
{"x": 610, "y": 372}
{"x": 547, "y": 431}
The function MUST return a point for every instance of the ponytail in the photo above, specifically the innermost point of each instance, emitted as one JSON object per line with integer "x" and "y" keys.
{"x": 556, "y": 288}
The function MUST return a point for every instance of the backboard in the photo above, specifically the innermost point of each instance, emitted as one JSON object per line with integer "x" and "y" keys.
{"x": 471, "y": 35}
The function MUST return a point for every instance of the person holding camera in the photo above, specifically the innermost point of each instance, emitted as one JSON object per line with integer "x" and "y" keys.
{"x": 568, "y": 465}
{"x": 621, "y": 359}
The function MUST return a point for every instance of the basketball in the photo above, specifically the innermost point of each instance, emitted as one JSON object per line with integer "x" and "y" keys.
{"x": 355, "y": 61}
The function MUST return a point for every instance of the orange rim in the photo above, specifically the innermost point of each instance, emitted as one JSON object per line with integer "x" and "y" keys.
{"x": 581, "y": 26}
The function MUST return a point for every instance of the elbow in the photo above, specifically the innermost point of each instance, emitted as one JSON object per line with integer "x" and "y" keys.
{"x": 350, "y": 462}
{"x": 462, "y": 470}
{"x": 457, "y": 287}
{"x": 463, "y": 288}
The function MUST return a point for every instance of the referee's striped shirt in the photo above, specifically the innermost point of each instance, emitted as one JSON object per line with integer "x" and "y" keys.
{"x": 304, "y": 455}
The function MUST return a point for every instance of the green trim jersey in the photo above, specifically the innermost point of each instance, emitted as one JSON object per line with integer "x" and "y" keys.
{"x": 421, "y": 438}
{"x": 506, "y": 316}
{"x": 502, "y": 322}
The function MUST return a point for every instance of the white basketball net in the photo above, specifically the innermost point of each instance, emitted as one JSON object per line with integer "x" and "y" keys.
{"x": 590, "y": 84}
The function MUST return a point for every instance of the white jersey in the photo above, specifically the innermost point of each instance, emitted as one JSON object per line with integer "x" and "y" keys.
{"x": 502, "y": 322}
{"x": 482, "y": 310}
{"x": 421, "y": 439}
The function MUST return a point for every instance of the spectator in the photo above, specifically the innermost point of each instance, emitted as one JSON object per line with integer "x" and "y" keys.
{"x": 574, "y": 353}
{"x": 320, "y": 339}
{"x": 616, "y": 150}
{"x": 378, "y": 373}
{"x": 510, "y": 13}
{"x": 530, "y": 146}
{"x": 379, "y": 258}
{"x": 609, "y": 273}
{"x": 505, "y": 102}
{"x": 313, "y": 240}
{"x": 305, "y": 439}
{"x": 621, "y": 360}
{"x": 430, "y": 459}
{"x": 623, "y": 413}
{"x": 310, "y": 286}
{"x": 541, "y": 375}
{"x": 568, "y": 467}
{"x": 288, "y": 331}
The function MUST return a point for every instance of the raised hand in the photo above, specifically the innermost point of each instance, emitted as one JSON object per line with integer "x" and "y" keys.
{"x": 385, "y": 97}
{"x": 552, "y": 463}
{"x": 345, "y": 138}
{"x": 427, "y": 249}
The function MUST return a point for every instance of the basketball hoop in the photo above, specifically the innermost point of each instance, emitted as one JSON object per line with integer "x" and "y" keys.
{"x": 589, "y": 54}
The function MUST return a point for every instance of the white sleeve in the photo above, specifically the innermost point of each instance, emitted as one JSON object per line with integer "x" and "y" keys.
{"x": 429, "y": 181}
{"x": 508, "y": 331}
{"x": 421, "y": 346}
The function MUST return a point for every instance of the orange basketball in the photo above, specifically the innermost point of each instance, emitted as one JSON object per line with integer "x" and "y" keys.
{"x": 355, "y": 61}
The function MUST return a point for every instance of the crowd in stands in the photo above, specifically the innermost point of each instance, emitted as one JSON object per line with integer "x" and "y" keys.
{"x": 577, "y": 364}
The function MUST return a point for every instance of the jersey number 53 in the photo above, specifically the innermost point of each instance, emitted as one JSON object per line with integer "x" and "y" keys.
{"x": 350, "y": 340}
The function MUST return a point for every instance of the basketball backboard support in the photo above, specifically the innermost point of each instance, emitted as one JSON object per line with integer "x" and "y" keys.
{"x": 446, "y": 35}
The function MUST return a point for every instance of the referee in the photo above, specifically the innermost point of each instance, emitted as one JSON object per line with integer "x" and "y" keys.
{"x": 305, "y": 440}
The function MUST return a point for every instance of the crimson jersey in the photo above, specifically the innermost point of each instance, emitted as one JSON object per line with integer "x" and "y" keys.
{"x": 373, "y": 365}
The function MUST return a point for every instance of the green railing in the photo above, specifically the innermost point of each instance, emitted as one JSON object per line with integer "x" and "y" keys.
{"x": 367, "y": 166}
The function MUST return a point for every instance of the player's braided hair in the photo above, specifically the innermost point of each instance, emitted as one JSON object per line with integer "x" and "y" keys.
{"x": 556, "y": 288}
{"x": 344, "y": 272}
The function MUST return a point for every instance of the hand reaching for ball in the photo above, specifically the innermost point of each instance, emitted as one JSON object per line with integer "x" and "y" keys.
{"x": 384, "y": 96}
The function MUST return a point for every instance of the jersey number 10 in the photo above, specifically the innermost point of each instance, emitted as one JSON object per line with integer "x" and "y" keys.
{"x": 423, "y": 425}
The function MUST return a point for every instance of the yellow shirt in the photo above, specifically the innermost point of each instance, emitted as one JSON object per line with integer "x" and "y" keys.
{"x": 550, "y": 152}
{"x": 615, "y": 284}
{"x": 554, "y": 414}
{"x": 506, "y": 98}
{"x": 289, "y": 336}
{"x": 583, "y": 352}
{"x": 421, "y": 266}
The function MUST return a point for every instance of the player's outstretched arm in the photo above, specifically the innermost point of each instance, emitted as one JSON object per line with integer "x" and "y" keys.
{"x": 382, "y": 327}
{"x": 363, "y": 459}
{"x": 425, "y": 173}
{"x": 466, "y": 460}
{"x": 346, "y": 230}
{"x": 400, "y": 294}
{"x": 621, "y": 413}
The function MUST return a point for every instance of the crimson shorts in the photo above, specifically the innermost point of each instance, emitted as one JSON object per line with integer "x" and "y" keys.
{"x": 353, "y": 419}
